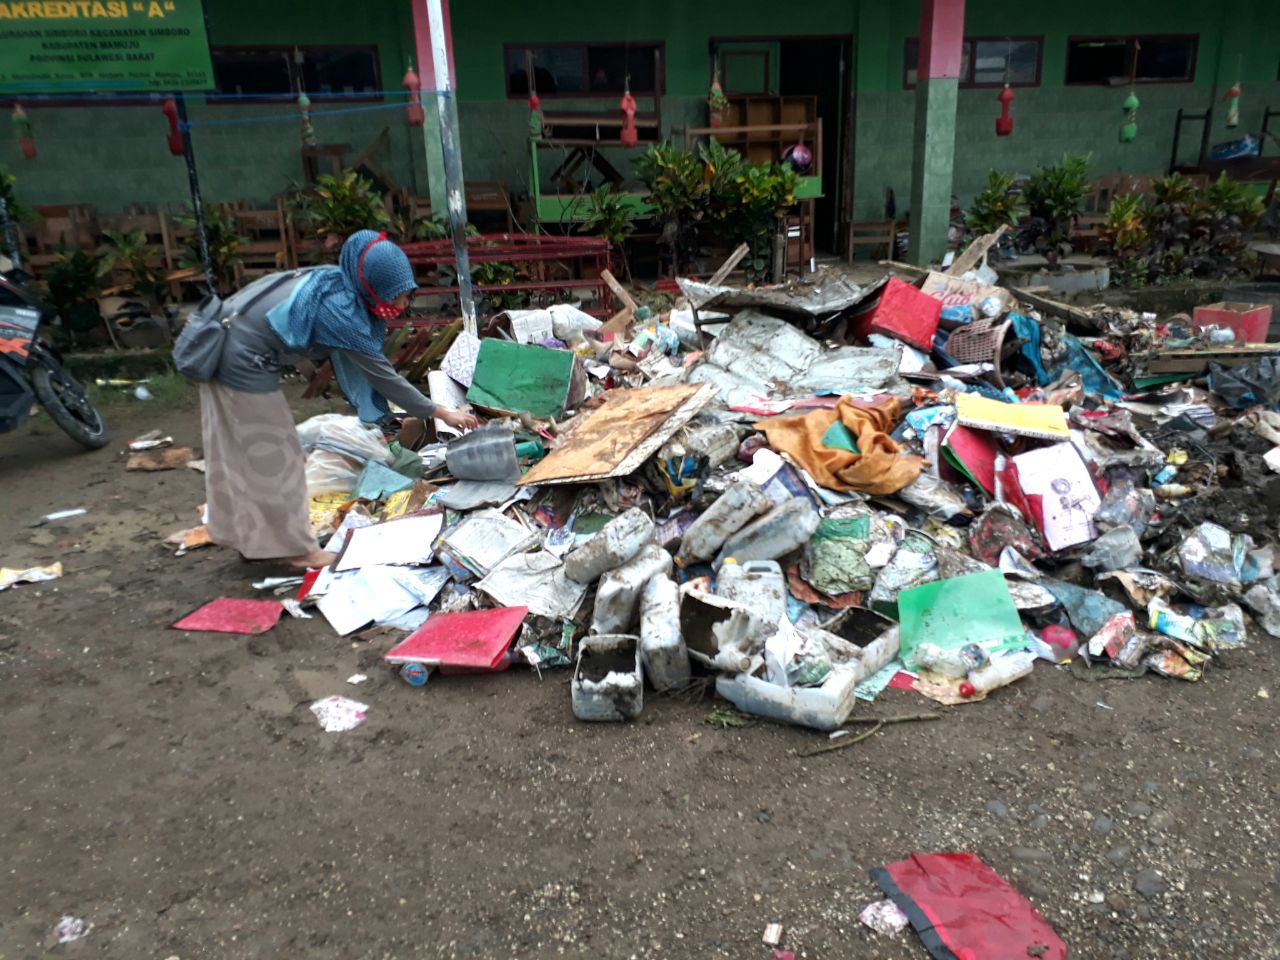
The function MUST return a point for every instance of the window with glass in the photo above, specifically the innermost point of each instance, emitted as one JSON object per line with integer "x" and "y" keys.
{"x": 584, "y": 69}
{"x": 336, "y": 72}
{"x": 1118, "y": 60}
{"x": 987, "y": 61}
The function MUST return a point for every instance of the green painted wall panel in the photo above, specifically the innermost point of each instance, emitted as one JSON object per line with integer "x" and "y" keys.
{"x": 114, "y": 156}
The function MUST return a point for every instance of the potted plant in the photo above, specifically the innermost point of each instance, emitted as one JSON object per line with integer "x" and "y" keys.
{"x": 1125, "y": 232}
{"x": 73, "y": 281}
{"x": 223, "y": 241}
{"x": 750, "y": 199}
{"x": 1053, "y": 195}
{"x": 128, "y": 258}
{"x": 678, "y": 191}
{"x": 334, "y": 207}
{"x": 1000, "y": 202}
{"x": 610, "y": 219}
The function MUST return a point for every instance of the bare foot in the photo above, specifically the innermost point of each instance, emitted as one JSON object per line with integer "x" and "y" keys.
{"x": 316, "y": 558}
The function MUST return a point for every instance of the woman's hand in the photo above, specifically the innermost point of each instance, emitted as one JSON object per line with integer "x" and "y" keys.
{"x": 458, "y": 419}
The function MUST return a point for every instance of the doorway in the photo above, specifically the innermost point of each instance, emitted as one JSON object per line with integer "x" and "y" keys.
{"x": 817, "y": 67}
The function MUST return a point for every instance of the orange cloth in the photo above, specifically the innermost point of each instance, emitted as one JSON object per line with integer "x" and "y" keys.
{"x": 878, "y": 469}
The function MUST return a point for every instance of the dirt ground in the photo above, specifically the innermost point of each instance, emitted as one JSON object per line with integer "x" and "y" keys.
{"x": 174, "y": 790}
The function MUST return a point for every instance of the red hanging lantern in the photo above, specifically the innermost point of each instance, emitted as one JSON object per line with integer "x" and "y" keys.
{"x": 174, "y": 139}
{"x": 536, "y": 120}
{"x": 22, "y": 126}
{"x": 629, "y": 136}
{"x": 1004, "y": 122}
{"x": 414, "y": 115}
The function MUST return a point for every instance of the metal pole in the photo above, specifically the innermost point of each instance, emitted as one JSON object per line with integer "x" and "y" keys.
{"x": 456, "y": 194}
{"x": 197, "y": 204}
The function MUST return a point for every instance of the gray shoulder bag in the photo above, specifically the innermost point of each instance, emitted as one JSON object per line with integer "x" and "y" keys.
{"x": 198, "y": 349}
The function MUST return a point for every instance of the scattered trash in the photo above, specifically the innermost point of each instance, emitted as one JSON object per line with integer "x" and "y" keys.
{"x": 9, "y": 576}
{"x": 151, "y": 440}
{"x": 960, "y": 907}
{"x": 162, "y": 458}
{"x": 357, "y": 678}
{"x": 69, "y": 929}
{"x": 772, "y": 935}
{"x": 191, "y": 539}
{"x": 230, "y": 615}
{"x": 338, "y": 714}
{"x": 60, "y": 515}
{"x": 884, "y": 917}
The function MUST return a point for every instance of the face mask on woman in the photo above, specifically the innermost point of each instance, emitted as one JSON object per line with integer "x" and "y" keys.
{"x": 377, "y": 306}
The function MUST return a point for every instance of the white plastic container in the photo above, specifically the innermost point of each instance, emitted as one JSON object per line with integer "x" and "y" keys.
{"x": 950, "y": 661}
{"x": 662, "y": 649}
{"x": 619, "y": 541}
{"x": 1001, "y": 672}
{"x": 756, "y": 584}
{"x": 825, "y": 707}
{"x": 781, "y": 530}
{"x": 607, "y": 681}
{"x": 738, "y": 505}
{"x": 618, "y": 595}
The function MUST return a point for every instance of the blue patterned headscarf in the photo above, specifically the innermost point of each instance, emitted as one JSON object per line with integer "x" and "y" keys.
{"x": 332, "y": 309}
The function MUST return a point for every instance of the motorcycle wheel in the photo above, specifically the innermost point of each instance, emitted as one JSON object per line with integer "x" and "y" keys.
{"x": 67, "y": 403}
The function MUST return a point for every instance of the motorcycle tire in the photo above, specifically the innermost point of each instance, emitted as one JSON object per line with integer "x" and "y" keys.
{"x": 66, "y": 402}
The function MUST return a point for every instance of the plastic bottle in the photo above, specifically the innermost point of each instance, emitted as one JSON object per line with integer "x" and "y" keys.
{"x": 824, "y": 707}
{"x": 662, "y": 649}
{"x": 619, "y": 540}
{"x": 618, "y": 595}
{"x": 756, "y": 584}
{"x": 950, "y": 661}
{"x": 777, "y": 533}
{"x": 485, "y": 454}
{"x": 737, "y": 507}
{"x": 1001, "y": 672}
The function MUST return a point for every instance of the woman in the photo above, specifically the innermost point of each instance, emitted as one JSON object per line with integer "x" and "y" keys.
{"x": 255, "y": 479}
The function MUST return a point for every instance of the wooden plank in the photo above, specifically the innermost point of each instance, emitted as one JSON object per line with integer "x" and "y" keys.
{"x": 619, "y": 436}
{"x": 908, "y": 268}
{"x": 976, "y": 251}
{"x": 728, "y": 266}
{"x": 1062, "y": 310}
{"x": 619, "y": 290}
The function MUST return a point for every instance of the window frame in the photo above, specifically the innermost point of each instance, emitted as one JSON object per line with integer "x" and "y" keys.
{"x": 970, "y": 84}
{"x": 1129, "y": 39}
{"x": 660, "y": 81}
{"x": 213, "y": 97}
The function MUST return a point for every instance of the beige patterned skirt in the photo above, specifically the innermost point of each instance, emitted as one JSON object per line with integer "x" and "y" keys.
{"x": 255, "y": 474}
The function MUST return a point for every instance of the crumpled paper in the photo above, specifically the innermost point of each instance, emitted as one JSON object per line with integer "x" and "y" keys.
{"x": 339, "y": 714}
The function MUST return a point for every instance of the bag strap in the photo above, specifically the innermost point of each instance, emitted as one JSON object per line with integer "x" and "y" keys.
{"x": 278, "y": 280}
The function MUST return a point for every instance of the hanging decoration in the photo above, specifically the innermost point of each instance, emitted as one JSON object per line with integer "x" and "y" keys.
{"x": 22, "y": 127}
{"x": 1232, "y": 96}
{"x": 536, "y": 120}
{"x": 308, "y": 130}
{"x": 629, "y": 136}
{"x": 717, "y": 102}
{"x": 174, "y": 140}
{"x": 1129, "y": 130}
{"x": 414, "y": 115}
{"x": 1004, "y": 122}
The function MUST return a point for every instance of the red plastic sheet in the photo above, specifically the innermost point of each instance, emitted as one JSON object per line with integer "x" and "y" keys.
{"x": 229, "y": 615}
{"x": 462, "y": 642}
{"x": 964, "y": 910}
{"x": 906, "y": 313}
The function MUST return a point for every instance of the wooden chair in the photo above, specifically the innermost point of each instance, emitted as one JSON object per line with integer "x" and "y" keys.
{"x": 59, "y": 228}
{"x": 266, "y": 247}
{"x": 882, "y": 234}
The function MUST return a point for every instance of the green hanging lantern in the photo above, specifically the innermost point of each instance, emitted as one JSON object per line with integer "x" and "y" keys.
{"x": 1129, "y": 129}
{"x": 308, "y": 131}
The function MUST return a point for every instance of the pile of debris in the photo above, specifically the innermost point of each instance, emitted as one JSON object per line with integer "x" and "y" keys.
{"x": 802, "y": 495}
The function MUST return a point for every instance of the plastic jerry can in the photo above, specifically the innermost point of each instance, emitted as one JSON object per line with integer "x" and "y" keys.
{"x": 777, "y": 533}
{"x": 662, "y": 649}
{"x": 741, "y": 503}
{"x": 756, "y": 584}
{"x": 824, "y": 707}
{"x": 618, "y": 595}
{"x": 617, "y": 542}
{"x": 1001, "y": 672}
{"x": 607, "y": 681}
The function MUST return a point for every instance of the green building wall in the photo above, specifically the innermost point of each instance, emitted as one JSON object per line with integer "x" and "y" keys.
{"x": 114, "y": 156}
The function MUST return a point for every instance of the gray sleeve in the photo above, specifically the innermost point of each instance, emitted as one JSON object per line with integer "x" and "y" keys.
{"x": 384, "y": 379}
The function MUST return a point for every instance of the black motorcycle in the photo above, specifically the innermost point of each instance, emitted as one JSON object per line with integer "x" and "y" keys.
{"x": 30, "y": 370}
